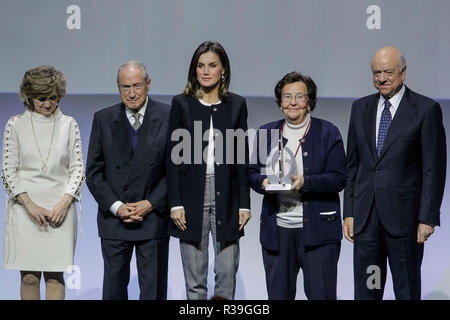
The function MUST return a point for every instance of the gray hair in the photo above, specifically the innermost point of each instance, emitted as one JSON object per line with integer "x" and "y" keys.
{"x": 401, "y": 59}
{"x": 138, "y": 64}
{"x": 401, "y": 62}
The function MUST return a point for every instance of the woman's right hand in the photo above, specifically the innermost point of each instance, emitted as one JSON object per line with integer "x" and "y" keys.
{"x": 38, "y": 213}
{"x": 265, "y": 183}
{"x": 179, "y": 218}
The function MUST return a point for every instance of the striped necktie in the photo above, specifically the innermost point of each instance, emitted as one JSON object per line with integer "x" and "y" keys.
{"x": 136, "y": 123}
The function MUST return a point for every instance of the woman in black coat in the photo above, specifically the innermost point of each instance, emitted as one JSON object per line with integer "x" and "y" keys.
{"x": 206, "y": 172}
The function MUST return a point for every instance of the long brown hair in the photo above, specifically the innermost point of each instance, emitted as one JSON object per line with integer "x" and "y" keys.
{"x": 193, "y": 87}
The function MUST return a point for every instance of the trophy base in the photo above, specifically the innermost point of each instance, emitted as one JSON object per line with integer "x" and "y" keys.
{"x": 279, "y": 187}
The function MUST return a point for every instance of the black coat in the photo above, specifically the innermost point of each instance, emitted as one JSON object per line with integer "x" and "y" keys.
{"x": 186, "y": 181}
{"x": 407, "y": 180}
{"x": 114, "y": 173}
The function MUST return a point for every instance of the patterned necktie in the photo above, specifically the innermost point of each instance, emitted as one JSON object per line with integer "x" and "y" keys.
{"x": 136, "y": 123}
{"x": 385, "y": 122}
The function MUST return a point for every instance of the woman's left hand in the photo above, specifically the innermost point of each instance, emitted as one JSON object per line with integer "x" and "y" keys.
{"x": 297, "y": 182}
{"x": 58, "y": 214}
{"x": 244, "y": 216}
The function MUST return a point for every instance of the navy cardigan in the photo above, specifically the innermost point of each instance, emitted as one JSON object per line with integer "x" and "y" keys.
{"x": 324, "y": 177}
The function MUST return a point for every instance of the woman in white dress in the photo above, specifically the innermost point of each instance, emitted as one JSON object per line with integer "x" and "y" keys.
{"x": 42, "y": 172}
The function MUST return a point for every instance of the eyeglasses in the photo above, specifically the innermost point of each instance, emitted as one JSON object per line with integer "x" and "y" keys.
{"x": 126, "y": 88}
{"x": 299, "y": 97}
{"x": 51, "y": 98}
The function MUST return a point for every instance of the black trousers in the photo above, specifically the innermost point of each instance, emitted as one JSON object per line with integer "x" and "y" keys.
{"x": 152, "y": 264}
{"x": 319, "y": 265}
{"x": 373, "y": 247}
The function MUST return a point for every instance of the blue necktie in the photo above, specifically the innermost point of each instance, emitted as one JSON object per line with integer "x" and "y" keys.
{"x": 385, "y": 122}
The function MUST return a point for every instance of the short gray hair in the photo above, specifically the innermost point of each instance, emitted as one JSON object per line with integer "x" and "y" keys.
{"x": 401, "y": 62}
{"x": 139, "y": 64}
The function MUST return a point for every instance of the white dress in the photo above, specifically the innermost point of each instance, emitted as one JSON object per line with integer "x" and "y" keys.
{"x": 28, "y": 246}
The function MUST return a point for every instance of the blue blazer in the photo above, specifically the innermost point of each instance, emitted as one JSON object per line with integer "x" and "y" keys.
{"x": 324, "y": 175}
{"x": 114, "y": 172}
{"x": 407, "y": 180}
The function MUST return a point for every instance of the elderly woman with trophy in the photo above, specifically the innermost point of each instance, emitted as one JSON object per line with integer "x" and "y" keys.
{"x": 298, "y": 164}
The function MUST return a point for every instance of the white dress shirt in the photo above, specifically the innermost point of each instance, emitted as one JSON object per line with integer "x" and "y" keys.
{"x": 395, "y": 102}
{"x": 115, "y": 206}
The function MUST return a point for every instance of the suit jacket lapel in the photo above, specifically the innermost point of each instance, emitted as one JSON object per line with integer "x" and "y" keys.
{"x": 121, "y": 134}
{"x": 401, "y": 119}
{"x": 151, "y": 125}
{"x": 370, "y": 118}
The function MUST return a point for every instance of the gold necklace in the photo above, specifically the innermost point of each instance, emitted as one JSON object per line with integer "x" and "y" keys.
{"x": 44, "y": 164}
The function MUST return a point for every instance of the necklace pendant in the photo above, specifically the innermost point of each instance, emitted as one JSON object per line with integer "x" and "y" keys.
{"x": 44, "y": 168}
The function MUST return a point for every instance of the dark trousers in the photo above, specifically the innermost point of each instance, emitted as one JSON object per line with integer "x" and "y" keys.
{"x": 152, "y": 263}
{"x": 319, "y": 265}
{"x": 372, "y": 247}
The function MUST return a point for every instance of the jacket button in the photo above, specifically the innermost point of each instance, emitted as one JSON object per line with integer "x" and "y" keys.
{"x": 305, "y": 154}
{"x": 125, "y": 189}
{"x": 215, "y": 109}
{"x": 218, "y": 193}
{"x": 305, "y": 203}
{"x": 306, "y": 170}
{"x": 305, "y": 220}
{"x": 219, "y": 222}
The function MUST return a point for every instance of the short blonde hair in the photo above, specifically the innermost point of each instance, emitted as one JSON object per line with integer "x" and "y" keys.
{"x": 41, "y": 82}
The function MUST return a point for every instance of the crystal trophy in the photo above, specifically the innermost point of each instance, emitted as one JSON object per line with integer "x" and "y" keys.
{"x": 280, "y": 166}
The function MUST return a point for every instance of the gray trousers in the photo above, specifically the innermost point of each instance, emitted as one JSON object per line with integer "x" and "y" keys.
{"x": 194, "y": 256}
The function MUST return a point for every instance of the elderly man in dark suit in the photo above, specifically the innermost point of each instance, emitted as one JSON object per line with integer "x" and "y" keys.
{"x": 396, "y": 166}
{"x": 126, "y": 175}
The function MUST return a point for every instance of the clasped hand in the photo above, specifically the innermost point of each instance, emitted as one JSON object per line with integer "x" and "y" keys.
{"x": 59, "y": 211}
{"x": 44, "y": 216}
{"x": 134, "y": 212}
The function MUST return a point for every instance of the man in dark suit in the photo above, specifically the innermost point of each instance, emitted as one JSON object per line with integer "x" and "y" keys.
{"x": 396, "y": 165}
{"x": 126, "y": 175}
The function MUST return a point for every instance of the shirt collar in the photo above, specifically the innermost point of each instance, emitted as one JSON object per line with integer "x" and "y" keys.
{"x": 203, "y": 102}
{"x": 141, "y": 111}
{"x": 395, "y": 100}
{"x": 300, "y": 125}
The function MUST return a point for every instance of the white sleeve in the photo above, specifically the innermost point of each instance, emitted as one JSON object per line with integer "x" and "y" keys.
{"x": 11, "y": 161}
{"x": 115, "y": 206}
{"x": 176, "y": 208}
{"x": 76, "y": 165}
